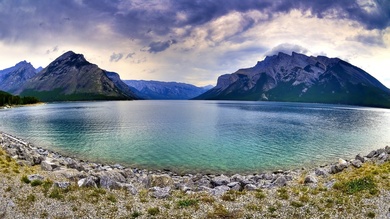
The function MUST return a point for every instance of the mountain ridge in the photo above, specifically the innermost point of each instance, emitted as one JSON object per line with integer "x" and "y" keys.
{"x": 301, "y": 78}
{"x": 151, "y": 89}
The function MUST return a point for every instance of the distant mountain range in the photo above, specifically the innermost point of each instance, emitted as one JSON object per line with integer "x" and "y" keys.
{"x": 159, "y": 90}
{"x": 70, "y": 77}
{"x": 301, "y": 78}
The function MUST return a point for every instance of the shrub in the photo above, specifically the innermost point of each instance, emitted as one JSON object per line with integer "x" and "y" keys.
{"x": 297, "y": 204}
{"x": 136, "y": 214}
{"x": 187, "y": 203}
{"x": 25, "y": 179}
{"x": 153, "y": 211}
{"x": 111, "y": 198}
{"x": 358, "y": 185}
{"x": 56, "y": 194}
{"x": 371, "y": 214}
{"x": 31, "y": 198}
{"x": 260, "y": 194}
{"x": 283, "y": 193}
{"x": 36, "y": 182}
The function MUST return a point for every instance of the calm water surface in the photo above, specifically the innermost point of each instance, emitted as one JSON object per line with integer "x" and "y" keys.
{"x": 206, "y": 136}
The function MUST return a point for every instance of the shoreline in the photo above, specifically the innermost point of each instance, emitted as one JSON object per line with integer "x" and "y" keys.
{"x": 281, "y": 193}
{"x": 29, "y": 154}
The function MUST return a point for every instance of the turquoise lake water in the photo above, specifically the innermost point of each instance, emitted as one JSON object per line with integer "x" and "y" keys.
{"x": 202, "y": 136}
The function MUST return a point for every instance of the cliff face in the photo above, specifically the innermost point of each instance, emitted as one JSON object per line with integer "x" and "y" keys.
{"x": 300, "y": 78}
{"x": 72, "y": 77}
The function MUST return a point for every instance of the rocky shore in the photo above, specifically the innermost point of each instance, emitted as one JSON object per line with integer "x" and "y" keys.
{"x": 67, "y": 173}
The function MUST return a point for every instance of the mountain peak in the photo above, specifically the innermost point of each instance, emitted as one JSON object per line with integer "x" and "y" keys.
{"x": 70, "y": 56}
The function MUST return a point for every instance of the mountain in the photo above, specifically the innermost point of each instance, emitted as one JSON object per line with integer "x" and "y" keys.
{"x": 300, "y": 78}
{"x": 71, "y": 78}
{"x": 14, "y": 77}
{"x": 165, "y": 90}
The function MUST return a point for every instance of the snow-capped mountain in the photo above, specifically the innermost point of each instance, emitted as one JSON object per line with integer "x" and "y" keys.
{"x": 302, "y": 78}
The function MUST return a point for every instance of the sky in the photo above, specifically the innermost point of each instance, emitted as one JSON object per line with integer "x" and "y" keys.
{"x": 194, "y": 41}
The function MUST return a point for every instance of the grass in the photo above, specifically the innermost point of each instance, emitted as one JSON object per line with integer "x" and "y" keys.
{"x": 187, "y": 203}
{"x": 153, "y": 211}
{"x": 25, "y": 179}
{"x": 221, "y": 211}
{"x": 36, "y": 182}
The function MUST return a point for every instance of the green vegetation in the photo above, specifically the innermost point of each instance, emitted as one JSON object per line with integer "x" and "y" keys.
{"x": 187, "y": 203}
{"x": 25, "y": 179}
{"x": 36, "y": 182}
{"x": 153, "y": 211}
{"x": 9, "y": 99}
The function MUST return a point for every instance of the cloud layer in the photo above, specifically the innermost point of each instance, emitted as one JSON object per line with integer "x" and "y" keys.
{"x": 194, "y": 40}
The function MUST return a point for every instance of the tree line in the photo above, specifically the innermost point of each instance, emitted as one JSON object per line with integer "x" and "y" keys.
{"x": 9, "y": 99}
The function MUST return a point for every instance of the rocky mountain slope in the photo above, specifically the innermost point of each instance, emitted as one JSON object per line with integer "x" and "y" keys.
{"x": 166, "y": 90}
{"x": 301, "y": 78}
{"x": 71, "y": 77}
{"x": 14, "y": 77}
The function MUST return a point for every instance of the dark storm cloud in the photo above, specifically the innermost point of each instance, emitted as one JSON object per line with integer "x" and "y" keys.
{"x": 160, "y": 46}
{"x": 144, "y": 20}
{"x": 375, "y": 39}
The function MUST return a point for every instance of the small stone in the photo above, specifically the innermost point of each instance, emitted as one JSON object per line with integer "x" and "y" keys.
{"x": 280, "y": 181}
{"x": 380, "y": 151}
{"x": 359, "y": 157}
{"x": 220, "y": 180}
{"x": 160, "y": 193}
{"x": 118, "y": 166}
{"x": 371, "y": 154}
{"x": 87, "y": 182}
{"x": 250, "y": 187}
{"x": 310, "y": 179}
{"x": 383, "y": 156}
{"x": 62, "y": 185}
{"x": 219, "y": 190}
{"x": 387, "y": 149}
{"x": 35, "y": 177}
{"x": 163, "y": 180}
{"x": 236, "y": 178}
{"x": 129, "y": 187}
{"x": 356, "y": 163}
{"x": 232, "y": 184}
{"x": 48, "y": 165}
{"x": 330, "y": 184}
{"x": 321, "y": 172}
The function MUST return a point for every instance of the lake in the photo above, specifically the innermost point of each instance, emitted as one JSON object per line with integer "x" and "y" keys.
{"x": 202, "y": 136}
